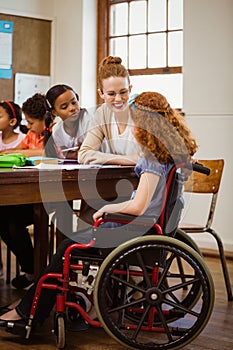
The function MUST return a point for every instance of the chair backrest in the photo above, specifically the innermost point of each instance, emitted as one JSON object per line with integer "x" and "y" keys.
{"x": 202, "y": 184}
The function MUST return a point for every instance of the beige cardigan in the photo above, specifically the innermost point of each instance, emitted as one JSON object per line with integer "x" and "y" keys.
{"x": 100, "y": 130}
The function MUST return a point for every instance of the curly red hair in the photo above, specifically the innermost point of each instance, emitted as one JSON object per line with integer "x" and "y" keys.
{"x": 161, "y": 130}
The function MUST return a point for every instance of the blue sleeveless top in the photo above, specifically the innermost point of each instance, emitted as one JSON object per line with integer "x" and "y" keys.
{"x": 162, "y": 170}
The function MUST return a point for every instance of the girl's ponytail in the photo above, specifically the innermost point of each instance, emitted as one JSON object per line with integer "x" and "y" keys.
{"x": 49, "y": 144}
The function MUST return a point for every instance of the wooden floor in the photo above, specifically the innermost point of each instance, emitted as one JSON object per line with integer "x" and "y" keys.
{"x": 216, "y": 336}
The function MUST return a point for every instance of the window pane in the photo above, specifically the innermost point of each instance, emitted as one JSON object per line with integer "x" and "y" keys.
{"x": 119, "y": 19}
{"x": 175, "y": 49}
{"x": 137, "y": 51}
{"x": 137, "y": 17}
{"x": 118, "y": 47}
{"x": 169, "y": 85}
{"x": 175, "y": 14}
{"x": 157, "y": 50}
{"x": 156, "y": 15}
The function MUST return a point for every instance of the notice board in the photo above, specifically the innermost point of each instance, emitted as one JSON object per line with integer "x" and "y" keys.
{"x": 27, "y": 85}
{"x": 6, "y": 35}
{"x": 31, "y": 50}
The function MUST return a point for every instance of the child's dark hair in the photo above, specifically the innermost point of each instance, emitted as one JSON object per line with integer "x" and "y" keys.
{"x": 49, "y": 144}
{"x": 13, "y": 110}
{"x": 35, "y": 107}
{"x": 54, "y": 92}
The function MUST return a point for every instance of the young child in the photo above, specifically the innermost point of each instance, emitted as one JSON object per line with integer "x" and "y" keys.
{"x": 40, "y": 111}
{"x": 16, "y": 218}
{"x": 164, "y": 140}
{"x": 58, "y": 114}
{"x": 10, "y": 119}
{"x": 34, "y": 109}
{"x": 112, "y": 126}
{"x": 72, "y": 122}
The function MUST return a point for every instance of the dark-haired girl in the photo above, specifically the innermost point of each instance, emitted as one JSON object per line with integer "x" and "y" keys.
{"x": 34, "y": 109}
{"x": 44, "y": 137}
{"x": 10, "y": 119}
{"x": 15, "y": 219}
{"x": 72, "y": 121}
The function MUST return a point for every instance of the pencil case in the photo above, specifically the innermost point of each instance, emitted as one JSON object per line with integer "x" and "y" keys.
{"x": 9, "y": 160}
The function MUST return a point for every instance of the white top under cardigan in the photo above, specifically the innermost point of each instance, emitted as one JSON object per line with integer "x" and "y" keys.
{"x": 103, "y": 136}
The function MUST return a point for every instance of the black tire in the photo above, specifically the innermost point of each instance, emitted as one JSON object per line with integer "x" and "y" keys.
{"x": 72, "y": 314}
{"x": 165, "y": 318}
{"x": 182, "y": 236}
{"x": 194, "y": 293}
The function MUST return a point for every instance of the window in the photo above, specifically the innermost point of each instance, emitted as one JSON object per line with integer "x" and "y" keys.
{"x": 148, "y": 36}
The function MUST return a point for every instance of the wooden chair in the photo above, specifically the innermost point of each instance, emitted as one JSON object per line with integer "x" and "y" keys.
{"x": 201, "y": 184}
{"x": 8, "y": 263}
{"x": 52, "y": 239}
{"x": 1, "y": 262}
{"x": 8, "y": 266}
{"x": 17, "y": 266}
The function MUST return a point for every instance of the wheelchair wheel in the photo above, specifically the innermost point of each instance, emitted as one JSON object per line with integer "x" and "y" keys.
{"x": 184, "y": 237}
{"x": 60, "y": 330}
{"x": 72, "y": 313}
{"x": 141, "y": 277}
{"x": 190, "y": 295}
{"x": 193, "y": 293}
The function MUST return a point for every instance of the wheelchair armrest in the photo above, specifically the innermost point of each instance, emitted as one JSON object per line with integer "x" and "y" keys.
{"x": 127, "y": 218}
{"x": 105, "y": 237}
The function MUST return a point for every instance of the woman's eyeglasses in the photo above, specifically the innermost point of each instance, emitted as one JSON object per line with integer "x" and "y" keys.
{"x": 113, "y": 94}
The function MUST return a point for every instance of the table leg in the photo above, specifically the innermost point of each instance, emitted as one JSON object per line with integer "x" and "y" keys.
{"x": 64, "y": 220}
{"x": 40, "y": 238}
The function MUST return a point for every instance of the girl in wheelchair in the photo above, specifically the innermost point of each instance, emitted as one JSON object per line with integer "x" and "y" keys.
{"x": 165, "y": 140}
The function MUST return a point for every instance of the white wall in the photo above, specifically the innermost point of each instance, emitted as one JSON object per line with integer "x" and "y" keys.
{"x": 73, "y": 40}
{"x": 88, "y": 77}
{"x": 68, "y": 43}
{"x": 31, "y": 8}
{"x": 208, "y": 57}
{"x": 208, "y": 77}
{"x": 208, "y": 102}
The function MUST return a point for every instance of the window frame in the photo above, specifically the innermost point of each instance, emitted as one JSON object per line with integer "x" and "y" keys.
{"x": 103, "y": 40}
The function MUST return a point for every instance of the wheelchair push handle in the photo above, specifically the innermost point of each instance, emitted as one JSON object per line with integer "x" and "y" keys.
{"x": 198, "y": 167}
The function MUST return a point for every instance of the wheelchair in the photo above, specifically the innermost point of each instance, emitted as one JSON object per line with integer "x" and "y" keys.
{"x": 150, "y": 292}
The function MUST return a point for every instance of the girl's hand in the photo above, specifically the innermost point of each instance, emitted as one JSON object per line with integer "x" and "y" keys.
{"x": 72, "y": 155}
{"x": 98, "y": 214}
{"x": 59, "y": 152}
{"x": 193, "y": 160}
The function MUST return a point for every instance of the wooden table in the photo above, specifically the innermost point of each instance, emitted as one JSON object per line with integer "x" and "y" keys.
{"x": 40, "y": 187}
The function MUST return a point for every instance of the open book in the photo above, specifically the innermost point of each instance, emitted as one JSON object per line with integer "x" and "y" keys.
{"x": 39, "y": 159}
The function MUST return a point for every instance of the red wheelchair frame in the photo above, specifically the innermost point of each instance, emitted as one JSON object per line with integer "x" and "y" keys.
{"x": 143, "y": 314}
